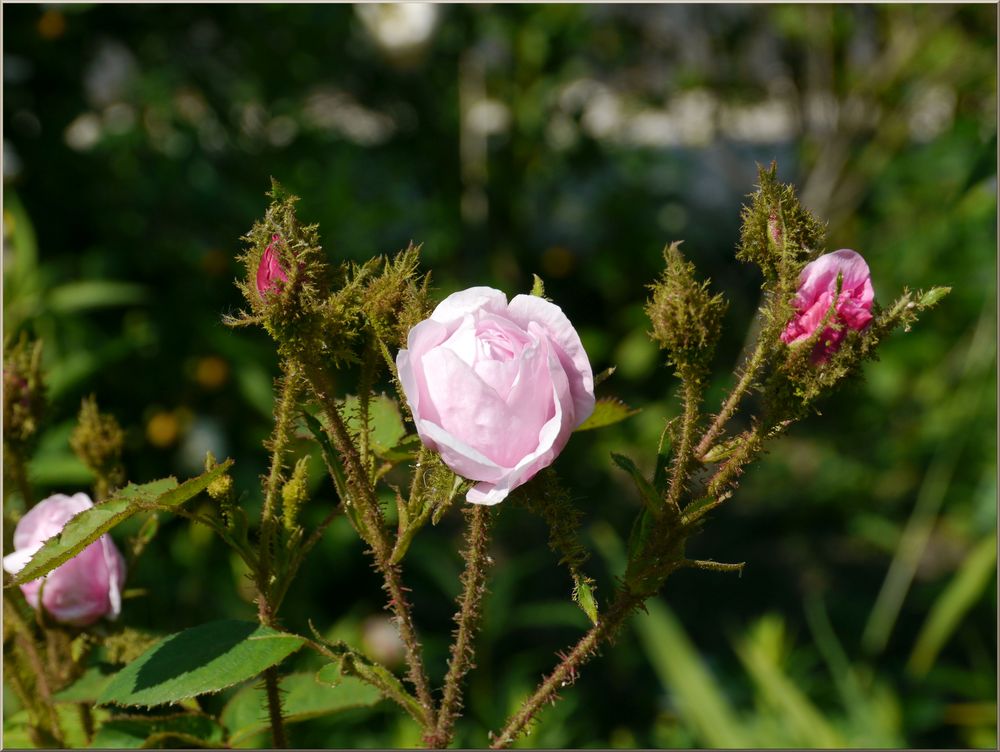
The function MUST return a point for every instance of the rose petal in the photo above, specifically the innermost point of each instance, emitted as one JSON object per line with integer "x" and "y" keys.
{"x": 458, "y": 304}
{"x": 48, "y": 517}
{"x": 526, "y": 310}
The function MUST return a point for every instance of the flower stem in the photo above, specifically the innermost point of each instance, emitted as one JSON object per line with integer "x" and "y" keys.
{"x": 29, "y": 649}
{"x": 565, "y": 673}
{"x": 364, "y": 495}
{"x": 747, "y": 376}
{"x": 269, "y": 522}
{"x": 682, "y": 458}
{"x": 274, "y": 708}
{"x": 477, "y": 562}
{"x": 284, "y": 416}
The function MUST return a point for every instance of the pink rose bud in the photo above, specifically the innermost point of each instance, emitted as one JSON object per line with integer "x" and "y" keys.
{"x": 270, "y": 275}
{"x": 83, "y": 589}
{"x": 817, "y": 288}
{"x": 496, "y": 389}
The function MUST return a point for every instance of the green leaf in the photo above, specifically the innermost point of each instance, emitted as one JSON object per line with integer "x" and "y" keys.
{"x": 94, "y": 293}
{"x": 932, "y": 296}
{"x": 406, "y": 449}
{"x": 386, "y": 423}
{"x": 963, "y": 591}
{"x": 203, "y": 659}
{"x": 641, "y": 528}
{"x": 332, "y": 461}
{"x": 88, "y": 687}
{"x": 91, "y": 524}
{"x": 538, "y": 287}
{"x": 761, "y": 654}
{"x": 607, "y": 412}
{"x": 152, "y": 732}
{"x": 17, "y": 733}
{"x": 303, "y": 696}
{"x": 650, "y": 498}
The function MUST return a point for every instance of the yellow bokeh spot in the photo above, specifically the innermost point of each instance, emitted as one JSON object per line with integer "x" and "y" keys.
{"x": 211, "y": 372}
{"x": 52, "y": 24}
{"x": 162, "y": 429}
{"x": 8, "y": 224}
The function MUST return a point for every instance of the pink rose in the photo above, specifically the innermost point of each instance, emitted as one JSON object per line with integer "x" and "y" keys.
{"x": 83, "y": 589}
{"x": 817, "y": 287}
{"x": 496, "y": 389}
{"x": 270, "y": 275}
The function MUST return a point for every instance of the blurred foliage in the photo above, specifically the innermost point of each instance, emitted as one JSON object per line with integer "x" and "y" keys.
{"x": 575, "y": 142}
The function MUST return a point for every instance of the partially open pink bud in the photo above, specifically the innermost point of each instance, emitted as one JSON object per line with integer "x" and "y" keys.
{"x": 270, "y": 275}
{"x": 815, "y": 296}
{"x": 83, "y": 589}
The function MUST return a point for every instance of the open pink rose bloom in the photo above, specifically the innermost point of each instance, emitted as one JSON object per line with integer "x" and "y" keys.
{"x": 270, "y": 275}
{"x": 817, "y": 288}
{"x": 81, "y": 590}
{"x": 496, "y": 388}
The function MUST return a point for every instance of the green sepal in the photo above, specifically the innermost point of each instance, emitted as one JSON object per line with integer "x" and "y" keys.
{"x": 607, "y": 412}
{"x": 583, "y": 594}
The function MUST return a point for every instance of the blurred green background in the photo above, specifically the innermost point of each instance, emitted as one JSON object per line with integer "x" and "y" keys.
{"x": 572, "y": 141}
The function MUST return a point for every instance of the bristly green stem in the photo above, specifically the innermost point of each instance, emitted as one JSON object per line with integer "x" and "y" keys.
{"x": 477, "y": 563}
{"x": 566, "y": 672}
{"x": 26, "y": 642}
{"x": 274, "y": 708}
{"x": 682, "y": 457}
{"x": 284, "y": 418}
{"x": 269, "y": 522}
{"x": 364, "y": 495}
{"x": 749, "y": 372}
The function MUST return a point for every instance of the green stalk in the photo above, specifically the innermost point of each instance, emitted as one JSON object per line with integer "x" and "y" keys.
{"x": 477, "y": 562}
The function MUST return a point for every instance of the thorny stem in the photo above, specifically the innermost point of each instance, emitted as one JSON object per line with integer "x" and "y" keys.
{"x": 749, "y": 371}
{"x": 379, "y": 542}
{"x": 565, "y": 673}
{"x": 274, "y": 708}
{"x": 284, "y": 416}
{"x": 29, "y": 650}
{"x": 418, "y": 478}
{"x": 477, "y": 562}
{"x": 682, "y": 459}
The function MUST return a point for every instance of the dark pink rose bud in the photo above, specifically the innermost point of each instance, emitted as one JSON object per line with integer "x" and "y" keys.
{"x": 270, "y": 275}
{"x": 81, "y": 590}
{"x": 815, "y": 296}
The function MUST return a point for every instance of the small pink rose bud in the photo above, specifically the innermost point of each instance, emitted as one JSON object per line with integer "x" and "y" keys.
{"x": 85, "y": 588}
{"x": 270, "y": 275}
{"x": 774, "y": 228}
{"x": 815, "y": 296}
{"x": 495, "y": 387}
